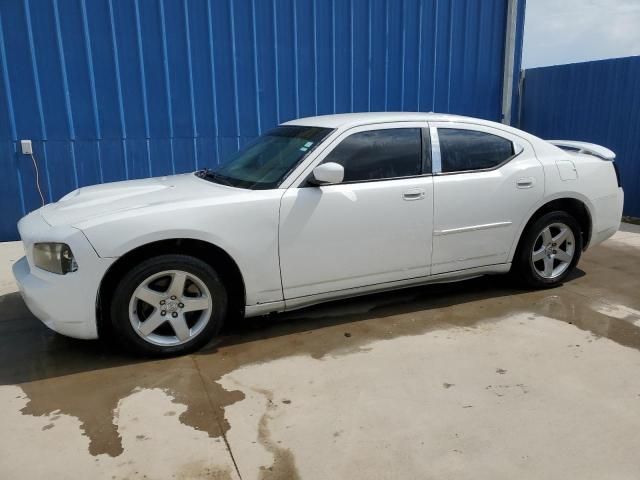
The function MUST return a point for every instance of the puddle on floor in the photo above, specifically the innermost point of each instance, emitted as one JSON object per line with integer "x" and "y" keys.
{"x": 87, "y": 380}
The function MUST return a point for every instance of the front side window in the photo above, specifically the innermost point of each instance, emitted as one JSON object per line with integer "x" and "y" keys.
{"x": 266, "y": 162}
{"x": 464, "y": 150}
{"x": 379, "y": 154}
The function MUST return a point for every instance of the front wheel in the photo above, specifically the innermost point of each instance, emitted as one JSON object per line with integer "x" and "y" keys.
{"x": 168, "y": 305}
{"x": 550, "y": 249}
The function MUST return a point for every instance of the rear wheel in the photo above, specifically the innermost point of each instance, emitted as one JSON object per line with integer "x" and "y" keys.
{"x": 168, "y": 305}
{"x": 549, "y": 250}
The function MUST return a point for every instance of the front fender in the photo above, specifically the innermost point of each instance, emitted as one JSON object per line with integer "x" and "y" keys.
{"x": 247, "y": 232}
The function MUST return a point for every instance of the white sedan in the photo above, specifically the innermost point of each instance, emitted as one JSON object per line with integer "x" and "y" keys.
{"x": 316, "y": 209}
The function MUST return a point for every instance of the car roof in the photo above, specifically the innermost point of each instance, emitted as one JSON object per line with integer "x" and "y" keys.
{"x": 343, "y": 120}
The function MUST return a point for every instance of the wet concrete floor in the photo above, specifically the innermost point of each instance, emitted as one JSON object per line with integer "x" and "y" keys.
{"x": 476, "y": 379}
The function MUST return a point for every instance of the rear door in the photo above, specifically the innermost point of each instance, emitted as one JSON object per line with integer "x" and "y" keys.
{"x": 485, "y": 182}
{"x": 373, "y": 228}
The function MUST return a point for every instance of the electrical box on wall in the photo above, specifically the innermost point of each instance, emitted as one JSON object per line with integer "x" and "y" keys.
{"x": 27, "y": 148}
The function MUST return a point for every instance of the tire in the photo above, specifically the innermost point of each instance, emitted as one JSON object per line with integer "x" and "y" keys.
{"x": 544, "y": 260}
{"x": 184, "y": 306}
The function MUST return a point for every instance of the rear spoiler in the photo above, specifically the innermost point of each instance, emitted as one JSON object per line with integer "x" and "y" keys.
{"x": 584, "y": 147}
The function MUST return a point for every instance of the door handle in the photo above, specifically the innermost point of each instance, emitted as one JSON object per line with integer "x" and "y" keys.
{"x": 416, "y": 194}
{"x": 526, "y": 182}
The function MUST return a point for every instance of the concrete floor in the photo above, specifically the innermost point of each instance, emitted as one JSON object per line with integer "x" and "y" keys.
{"x": 470, "y": 380}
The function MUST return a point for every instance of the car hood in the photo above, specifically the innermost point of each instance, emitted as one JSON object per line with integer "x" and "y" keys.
{"x": 89, "y": 203}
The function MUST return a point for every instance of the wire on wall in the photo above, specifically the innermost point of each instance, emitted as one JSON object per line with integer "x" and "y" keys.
{"x": 35, "y": 166}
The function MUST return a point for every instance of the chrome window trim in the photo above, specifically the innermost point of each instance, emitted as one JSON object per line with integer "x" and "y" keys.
{"x": 436, "y": 159}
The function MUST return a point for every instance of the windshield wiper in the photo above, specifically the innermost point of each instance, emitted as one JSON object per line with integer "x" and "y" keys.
{"x": 216, "y": 177}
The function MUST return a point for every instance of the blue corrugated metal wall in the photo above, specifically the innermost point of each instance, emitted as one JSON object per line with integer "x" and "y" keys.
{"x": 597, "y": 102}
{"x": 116, "y": 89}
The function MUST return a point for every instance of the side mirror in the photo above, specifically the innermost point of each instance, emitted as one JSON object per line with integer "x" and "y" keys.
{"x": 328, "y": 173}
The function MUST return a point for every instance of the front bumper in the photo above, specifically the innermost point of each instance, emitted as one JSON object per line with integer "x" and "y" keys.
{"x": 64, "y": 303}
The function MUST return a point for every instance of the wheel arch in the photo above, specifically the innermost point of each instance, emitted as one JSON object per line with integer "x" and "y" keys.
{"x": 576, "y": 207}
{"x": 212, "y": 254}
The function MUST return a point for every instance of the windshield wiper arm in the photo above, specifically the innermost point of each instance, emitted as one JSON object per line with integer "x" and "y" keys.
{"x": 208, "y": 173}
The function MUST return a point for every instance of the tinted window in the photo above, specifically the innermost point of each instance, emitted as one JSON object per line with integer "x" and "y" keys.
{"x": 266, "y": 161}
{"x": 379, "y": 154}
{"x": 462, "y": 150}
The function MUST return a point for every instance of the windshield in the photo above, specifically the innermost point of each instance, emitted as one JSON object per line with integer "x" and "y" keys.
{"x": 265, "y": 162}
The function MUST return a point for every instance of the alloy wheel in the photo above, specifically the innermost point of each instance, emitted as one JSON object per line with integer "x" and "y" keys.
{"x": 170, "y": 308}
{"x": 553, "y": 250}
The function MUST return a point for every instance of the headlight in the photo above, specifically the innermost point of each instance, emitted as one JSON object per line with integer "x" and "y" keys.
{"x": 54, "y": 257}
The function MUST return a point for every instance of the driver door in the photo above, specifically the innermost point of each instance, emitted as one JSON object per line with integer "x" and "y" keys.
{"x": 374, "y": 227}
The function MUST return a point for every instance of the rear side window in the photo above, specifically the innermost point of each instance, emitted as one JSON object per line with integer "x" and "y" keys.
{"x": 379, "y": 154}
{"x": 464, "y": 150}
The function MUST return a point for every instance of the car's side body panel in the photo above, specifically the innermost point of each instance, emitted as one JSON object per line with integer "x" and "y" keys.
{"x": 350, "y": 235}
{"x": 594, "y": 185}
{"x": 338, "y": 237}
{"x": 477, "y": 213}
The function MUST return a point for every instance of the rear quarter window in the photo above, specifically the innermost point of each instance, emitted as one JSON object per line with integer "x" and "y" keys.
{"x": 468, "y": 150}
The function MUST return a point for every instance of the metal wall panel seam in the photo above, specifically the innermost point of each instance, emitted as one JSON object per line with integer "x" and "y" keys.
{"x": 370, "y": 63}
{"x": 72, "y": 150}
{"x": 295, "y": 58}
{"x": 34, "y": 69}
{"x": 419, "y": 71}
{"x": 20, "y": 187}
{"x": 194, "y": 123}
{"x": 12, "y": 124}
{"x": 165, "y": 65}
{"x": 255, "y": 66}
{"x": 63, "y": 68}
{"x": 450, "y": 56}
{"x": 509, "y": 58}
{"x": 466, "y": 48}
{"x": 477, "y": 40}
{"x": 45, "y": 161}
{"x": 333, "y": 51}
{"x": 435, "y": 52}
{"x": 214, "y": 88}
{"x": 351, "y": 35}
{"x": 386, "y": 55}
{"x": 143, "y": 78}
{"x": 276, "y": 60}
{"x": 92, "y": 82}
{"x": 123, "y": 142}
{"x": 114, "y": 47}
{"x": 234, "y": 71}
{"x": 314, "y": 35}
{"x": 7, "y": 83}
{"x": 143, "y": 82}
{"x": 403, "y": 57}
{"x": 147, "y": 143}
